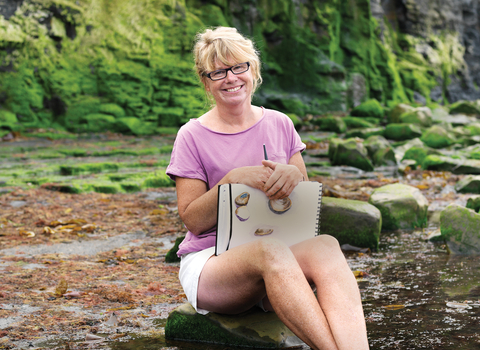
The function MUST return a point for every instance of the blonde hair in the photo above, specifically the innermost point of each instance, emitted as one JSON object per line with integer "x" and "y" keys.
{"x": 228, "y": 46}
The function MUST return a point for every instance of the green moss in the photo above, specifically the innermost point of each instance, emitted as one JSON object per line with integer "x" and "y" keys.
{"x": 88, "y": 168}
{"x": 112, "y": 109}
{"x": 335, "y": 124}
{"x": 159, "y": 179}
{"x": 354, "y": 123}
{"x": 370, "y": 108}
{"x": 171, "y": 256}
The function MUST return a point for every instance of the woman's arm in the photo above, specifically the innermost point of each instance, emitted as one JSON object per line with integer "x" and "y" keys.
{"x": 197, "y": 207}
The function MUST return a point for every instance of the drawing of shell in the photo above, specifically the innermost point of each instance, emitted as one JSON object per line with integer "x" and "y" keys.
{"x": 242, "y": 199}
{"x": 242, "y": 213}
{"x": 280, "y": 206}
{"x": 263, "y": 231}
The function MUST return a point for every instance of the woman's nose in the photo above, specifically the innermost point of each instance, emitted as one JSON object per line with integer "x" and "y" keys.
{"x": 230, "y": 76}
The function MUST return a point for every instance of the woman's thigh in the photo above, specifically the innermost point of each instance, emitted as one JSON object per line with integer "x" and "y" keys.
{"x": 233, "y": 281}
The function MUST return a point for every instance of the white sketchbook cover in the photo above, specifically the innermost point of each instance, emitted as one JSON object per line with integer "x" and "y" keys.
{"x": 246, "y": 214}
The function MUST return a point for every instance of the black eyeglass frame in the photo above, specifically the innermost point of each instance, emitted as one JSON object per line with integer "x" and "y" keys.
{"x": 226, "y": 71}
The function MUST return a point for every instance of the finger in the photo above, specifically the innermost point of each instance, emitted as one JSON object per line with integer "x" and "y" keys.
{"x": 269, "y": 164}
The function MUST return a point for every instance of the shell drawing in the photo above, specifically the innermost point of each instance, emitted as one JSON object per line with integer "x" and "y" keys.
{"x": 280, "y": 206}
{"x": 242, "y": 213}
{"x": 263, "y": 231}
{"x": 242, "y": 199}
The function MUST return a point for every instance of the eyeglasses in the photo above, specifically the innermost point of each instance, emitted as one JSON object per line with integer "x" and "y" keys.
{"x": 222, "y": 73}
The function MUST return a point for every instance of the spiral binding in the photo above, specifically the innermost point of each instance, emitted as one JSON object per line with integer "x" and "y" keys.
{"x": 319, "y": 209}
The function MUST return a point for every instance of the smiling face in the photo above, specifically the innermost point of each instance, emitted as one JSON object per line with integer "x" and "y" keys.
{"x": 235, "y": 89}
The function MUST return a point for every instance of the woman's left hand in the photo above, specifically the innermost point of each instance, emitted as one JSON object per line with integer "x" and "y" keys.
{"x": 283, "y": 179}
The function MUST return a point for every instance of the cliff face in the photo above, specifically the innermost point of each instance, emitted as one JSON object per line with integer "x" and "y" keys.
{"x": 63, "y": 60}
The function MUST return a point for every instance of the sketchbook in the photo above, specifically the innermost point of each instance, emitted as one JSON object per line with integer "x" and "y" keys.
{"x": 246, "y": 214}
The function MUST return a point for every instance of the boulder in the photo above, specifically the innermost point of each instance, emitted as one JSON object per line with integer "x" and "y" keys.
{"x": 254, "y": 328}
{"x": 397, "y": 111}
{"x": 459, "y": 227}
{"x": 456, "y": 166}
{"x": 400, "y": 132}
{"x": 473, "y": 129}
{"x": 171, "y": 255}
{"x": 357, "y": 123}
{"x": 351, "y": 222}
{"x": 7, "y": 117}
{"x": 380, "y": 150}
{"x": 469, "y": 184}
{"x": 335, "y": 124}
{"x": 349, "y": 152}
{"x": 402, "y": 206}
{"x": 418, "y": 116}
{"x": 369, "y": 108}
{"x": 438, "y": 137}
{"x": 418, "y": 154}
{"x": 440, "y": 114}
{"x": 474, "y": 203}
{"x": 96, "y": 122}
{"x": 402, "y": 148}
{"x": 465, "y": 107}
{"x": 112, "y": 109}
{"x": 364, "y": 133}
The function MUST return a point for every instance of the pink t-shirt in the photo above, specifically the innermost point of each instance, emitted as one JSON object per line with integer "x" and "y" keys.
{"x": 207, "y": 155}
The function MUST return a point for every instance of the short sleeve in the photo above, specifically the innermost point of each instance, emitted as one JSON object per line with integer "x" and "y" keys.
{"x": 185, "y": 159}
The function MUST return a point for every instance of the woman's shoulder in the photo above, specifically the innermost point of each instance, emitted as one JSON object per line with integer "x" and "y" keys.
{"x": 277, "y": 117}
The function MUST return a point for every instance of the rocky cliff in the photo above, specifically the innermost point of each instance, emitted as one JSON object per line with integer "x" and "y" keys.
{"x": 87, "y": 65}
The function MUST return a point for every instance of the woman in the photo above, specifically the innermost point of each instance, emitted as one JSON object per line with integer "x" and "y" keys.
{"x": 225, "y": 146}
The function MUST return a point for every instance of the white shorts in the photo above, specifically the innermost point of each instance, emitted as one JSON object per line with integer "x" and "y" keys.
{"x": 191, "y": 266}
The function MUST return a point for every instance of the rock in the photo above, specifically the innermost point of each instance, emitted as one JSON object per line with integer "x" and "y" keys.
{"x": 473, "y": 129}
{"x": 400, "y": 132}
{"x": 297, "y": 122}
{"x": 474, "y": 203}
{"x": 112, "y": 109}
{"x": 369, "y": 108}
{"x": 437, "y": 137}
{"x": 402, "y": 206}
{"x": 349, "y": 152}
{"x": 254, "y": 328}
{"x": 401, "y": 149}
{"x": 380, "y": 150}
{"x": 357, "y": 89}
{"x": 364, "y": 133}
{"x": 171, "y": 256}
{"x": 418, "y": 154}
{"x": 7, "y": 117}
{"x": 335, "y": 124}
{"x": 459, "y": 227}
{"x": 351, "y": 222}
{"x": 357, "y": 123}
{"x": 456, "y": 166}
{"x": 440, "y": 115}
{"x": 418, "y": 116}
{"x": 96, "y": 122}
{"x": 397, "y": 111}
{"x": 464, "y": 107}
{"x": 469, "y": 184}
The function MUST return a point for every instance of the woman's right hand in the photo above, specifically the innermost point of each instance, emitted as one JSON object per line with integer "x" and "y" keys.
{"x": 253, "y": 176}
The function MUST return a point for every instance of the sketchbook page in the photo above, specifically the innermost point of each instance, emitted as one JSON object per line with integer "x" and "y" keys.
{"x": 292, "y": 223}
{"x": 223, "y": 219}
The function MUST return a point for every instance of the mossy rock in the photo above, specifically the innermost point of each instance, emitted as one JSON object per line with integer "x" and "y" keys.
{"x": 384, "y": 156}
{"x": 159, "y": 179}
{"x": 369, "y": 108}
{"x": 254, "y": 329}
{"x": 349, "y": 152}
{"x": 334, "y": 124}
{"x": 469, "y": 184}
{"x": 106, "y": 188}
{"x": 364, "y": 133}
{"x": 112, "y": 109}
{"x": 172, "y": 256}
{"x": 64, "y": 188}
{"x": 130, "y": 187}
{"x": 7, "y": 117}
{"x": 402, "y": 206}
{"x": 133, "y": 126}
{"x": 465, "y": 107}
{"x": 437, "y": 137}
{"x": 418, "y": 117}
{"x": 80, "y": 108}
{"x": 418, "y": 154}
{"x": 473, "y": 129}
{"x": 474, "y": 203}
{"x": 88, "y": 168}
{"x": 374, "y": 143}
{"x": 459, "y": 227}
{"x": 357, "y": 123}
{"x": 400, "y": 132}
{"x": 397, "y": 111}
{"x": 96, "y": 122}
{"x": 351, "y": 222}
{"x": 456, "y": 166}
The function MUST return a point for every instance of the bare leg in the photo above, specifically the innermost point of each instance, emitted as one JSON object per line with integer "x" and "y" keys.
{"x": 237, "y": 279}
{"x": 324, "y": 264}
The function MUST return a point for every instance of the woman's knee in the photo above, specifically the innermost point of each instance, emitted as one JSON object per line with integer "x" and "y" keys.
{"x": 271, "y": 250}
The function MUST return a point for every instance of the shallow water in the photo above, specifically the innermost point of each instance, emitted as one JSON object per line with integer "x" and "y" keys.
{"x": 405, "y": 291}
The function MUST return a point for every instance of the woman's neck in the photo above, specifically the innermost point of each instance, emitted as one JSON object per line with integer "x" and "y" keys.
{"x": 232, "y": 119}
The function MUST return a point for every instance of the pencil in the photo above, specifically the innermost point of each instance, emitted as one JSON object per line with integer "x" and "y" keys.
{"x": 265, "y": 152}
